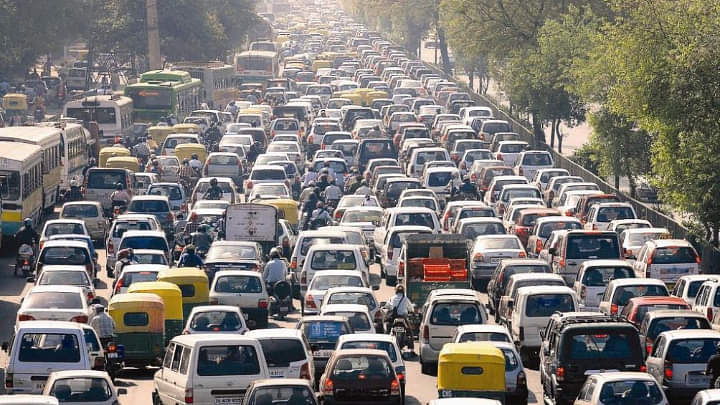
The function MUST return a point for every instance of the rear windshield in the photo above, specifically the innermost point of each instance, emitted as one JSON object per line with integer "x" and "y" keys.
{"x": 419, "y": 219}
{"x": 636, "y": 391}
{"x": 601, "y": 276}
{"x": 238, "y": 284}
{"x": 223, "y": 160}
{"x": 661, "y": 325}
{"x": 692, "y": 351}
{"x": 543, "y": 305}
{"x": 471, "y": 231}
{"x": 356, "y": 368}
{"x": 216, "y": 321}
{"x": 495, "y": 127}
{"x": 138, "y": 276}
{"x": 328, "y": 331}
{"x": 608, "y": 214}
{"x": 266, "y": 174}
{"x": 512, "y": 147}
{"x": 484, "y": 337}
{"x": 447, "y": 313}
{"x": 623, "y": 294}
{"x": 644, "y": 309}
{"x": 337, "y": 167}
{"x": 145, "y": 242}
{"x": 79, "y": 278}
{"x": 537, "y": 159}
{"x": 498, "y": 243}
{"x": 60, "y": 228}
{"x": 438, "y": 179}
{"x": 360, "y": 298}
{"x": 638, "y": 239}
{"x": 376, "y": 150}
{"x": 693, "y": 288}
{"x": 228, "y": 360}
{"x": 307, "y": 242}
{"x": 589, "y": 246}
{"x": 396, "y": 188}
{"x": 477, "y": 213}
{"x": 53, "y": 299}
{"x": 357, "y": 320}
{"x": 282, "y": 352}
{"x": 375, "y": 345}
{"x": 64, "y": 255}
{"x": 49, "y": 348}
{"x": 548, "y": 227}
{"x": 520, "y": 193}
{"x": 171, "y": 192}
{"x": 149, "y": 206}
{"x": 601, "y": 344}
{"x": 333, "y": 259}
{"x": 80, "y": 211}
{"x": 105, "y": 179}
{"x": 326, "y": 282}
{"x": 674, "y": 255}
{"x": 419, "y": 202}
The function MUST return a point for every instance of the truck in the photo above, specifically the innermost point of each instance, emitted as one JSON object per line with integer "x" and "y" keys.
{"x": 433, "y": 261}
{"x": 252, "y": 222}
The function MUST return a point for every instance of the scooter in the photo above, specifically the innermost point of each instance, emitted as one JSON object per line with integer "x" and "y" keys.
{"x": 281, "y": 299}
{"x": 24, "y": 260}
{"x": 402, "y": 333}
{"x": 114, "y": 364}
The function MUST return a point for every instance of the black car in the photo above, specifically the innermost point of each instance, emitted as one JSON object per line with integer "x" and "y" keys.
{"x": 578, "y": 344}
{"x": 360, "y": 376}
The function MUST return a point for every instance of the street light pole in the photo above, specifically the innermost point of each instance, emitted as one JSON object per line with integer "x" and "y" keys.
{"x": 153, "y": 34}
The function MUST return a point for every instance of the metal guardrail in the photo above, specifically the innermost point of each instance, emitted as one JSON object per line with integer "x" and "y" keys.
{"x": 657, "y": 218}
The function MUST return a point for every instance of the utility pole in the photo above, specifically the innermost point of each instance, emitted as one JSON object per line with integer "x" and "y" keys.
{"x": 153, "y": 35}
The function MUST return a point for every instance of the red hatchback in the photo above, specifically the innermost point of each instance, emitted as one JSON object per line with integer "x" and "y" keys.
{"x": 636, "y": 308}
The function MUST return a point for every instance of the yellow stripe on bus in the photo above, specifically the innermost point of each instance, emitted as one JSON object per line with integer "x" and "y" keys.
{"x": 12, "y": 216}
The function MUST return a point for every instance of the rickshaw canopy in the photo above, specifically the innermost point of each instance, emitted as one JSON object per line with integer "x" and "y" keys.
{"x": 473, "y": 369}
{"x": 14, "y": 102}
{"x": 185, "y": 128}
{"x": 193, "y": 283}
{"x": 287, "y": 209}
{"x": 159, "y": 133}
{"x": 111, "y": 151}
{"x": 186, "y": 150}
{"x": 136, "y": 305}
{"x": 169, "y": 292}
{"x": 123, "y": 162}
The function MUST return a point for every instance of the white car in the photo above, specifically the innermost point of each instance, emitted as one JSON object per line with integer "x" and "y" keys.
{"x": 325, "y": 280}
{"x": 55, "y": 303}
{"x": 126, "y": 222}
{"x": 389, "y": 252}
{"x": 481, "y": 333}
{"x": 243, "y": 289}
{"x": 332, "y": 257}
{"x": 287, "y": 353}
{"x": 135, "y": 273}
{"x": 358, "y": 316}
{"x": 89, "y": 387}
{"x": 67, "y": 275}
{"x": 356, "y": 295}
{"x": 215, "y": 319}
{"x": 62, "y": 227}
{"x": 621, "y": 386}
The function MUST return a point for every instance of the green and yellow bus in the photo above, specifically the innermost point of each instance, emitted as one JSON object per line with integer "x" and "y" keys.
{"x": 21, "y": 184}
{"x": 217, "y": 79}
{"x": 256, "y": 66}
{"x": 161, "y": 93}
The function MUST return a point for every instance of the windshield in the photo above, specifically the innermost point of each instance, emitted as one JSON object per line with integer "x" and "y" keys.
{"x": 216, "y": 321}
{"x": 537, "y": 159}
{"x": 268, "y": 174}
{"x": 360, "y": 298}
{"x": 681, "y": 322}
{"x": 223, "y": 160}
{"x": 520, "y": 193}
{"x": 333, "y": 259}
{"x": 603, "y": 343}
{"x": 80, "y": 211}
{"x": 439, "y": 179}
{"x": 64, "y": 229}
{"x": 607, "y": 214}
{"x": 144, "y": 242}
{"x": 138, "y": 276}
{"x": 79, "y": 278}
{"x": 325, "y": 282}
{"x": 53, "y": 299}
{"x": 447, "y": 313}
{"x": 231, "y": 252}
{"x": 120, "y": 227}
{"x": 239, "y": 284}
{"x": 498, "y": 243}
{"x": 148, "y": 206}
{"x": 362, "y": 216}
{"x": 49, "y": 348}
{"x": 472, "y": 231}
{"x": 170, "y": 191}
{"x": 692, "y": 351}
{"x": 544, "y": 305}
{"x": 328, "y": 331}
{"x": 631, "y": 392}
{"x": 548, "y": 227}
{"x": 374, "y": 345}
{"x": 484, "y": 337}
{"x": 64, "y": 255}
{"x": 623, "y": 294}
{"x": 357, "y": 320}
{"x": 307, "y": 242}
{"x": 588, "y": 246}
{"x": 419, "y": 219}
{"x": 81, "y": 389}
{"x": 675, "y": 255}
{"x": 477, "y": 213}
{"x": 227, "y": 360}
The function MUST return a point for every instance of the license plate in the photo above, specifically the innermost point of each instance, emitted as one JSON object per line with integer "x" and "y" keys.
{"x": 398, "y": 329}
{"x": 495, "y": 259}
{"x": 698, "y": 380}
{"x": 323, "y": 353}
{"x": 228, "y": 400}
{"x": 284, "y": 308}
{"x": 112, "y": 355}
{"x": 245, "y": 316}
{"x": 277, "y": 373}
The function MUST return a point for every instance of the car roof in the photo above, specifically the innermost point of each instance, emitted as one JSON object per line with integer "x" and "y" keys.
{"x": 229, "y": 338}
{"x": 135, "y": 233}
{"x": 624, "y": 376}
{"x": 657, "y": 300}
{"x": 84, "y": 202}
{"x": 536, "y": 276}
{"x": 618, "y": 282}
{"x": 237, "y": 273}
{"x": 333, "y": 246}
{"x": 605, "y": 263}
{"x": 64, "y": 221}
{"x": 523, "y": 262}
{"x": 333, "y": 290}
{"x": 661, "y": 243}
{"x": 691, "y": 333}
{"x": 50, "y": 325}
{"x": 544, "y": 289}
{"x": 275, "y": 333}
{"x": 355, "y": 337}
{"x": 353, "y": 273}
{"x": 79, "y": 374}
{"x": 344, "y": 307}
{"x": 671, "y": 313}
{"x": 136, "y": 268}
{"x": 482, "y": 328}
{"x": 361, "y": 352}
{"x": 57, "y": 288}
{"x": 64, "y": 267}
{"x": 65, "y": 243}
{"x": 274, "y": 382}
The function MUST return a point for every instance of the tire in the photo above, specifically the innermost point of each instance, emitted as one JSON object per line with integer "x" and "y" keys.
{"x": 425, "y": 368}
{"x": 156, "y": 399}
{"x": 391, "y": 281}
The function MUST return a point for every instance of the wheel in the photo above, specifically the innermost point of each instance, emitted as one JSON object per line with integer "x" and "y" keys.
{"x": 156, "y": 399}
{"x": 425, "y": 368}
{"x": 391, "y": 281}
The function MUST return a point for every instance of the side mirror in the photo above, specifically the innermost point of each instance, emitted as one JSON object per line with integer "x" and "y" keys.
{"x": 30, "y": 279}
{"x": 122, "y": 391}
{"x": 4, "y": 346}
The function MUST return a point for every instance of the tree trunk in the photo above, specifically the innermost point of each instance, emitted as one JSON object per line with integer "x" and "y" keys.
{"x": 471, "y": 79}
{"x": 617, "y": 182}
{"x": 552, "y": 135}
{"x": 538, "y": 133}
{"x": 715, "y": 241}
{"x": 443, "y": 49}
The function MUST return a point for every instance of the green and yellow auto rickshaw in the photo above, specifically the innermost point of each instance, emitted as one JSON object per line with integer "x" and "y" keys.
{"x": 193, "y": 284}
{"x": 139, "y": 327}
{"x": 172, "y": 297}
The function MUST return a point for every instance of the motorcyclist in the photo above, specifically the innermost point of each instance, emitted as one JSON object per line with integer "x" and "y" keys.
{"x": 253, "y": 152}
{"x": 142, "y": 150}
{"x": 185, "y": 172}
{"x": 232, "y": 108}
{"x": 195, "y": 163}
{"x": 214, "y": 192}
{"x": 189, "y": 258}
{"x": 91, "y": 163}
{"x": 363, "y": 189}
{"x": 398, "y": 306}
{"x": 320, "y": 216}
{"x": 374, "y": 132}
{"x": 333, "y": 193}
{"x": 26, "y": 234}
{"x": 275, "y": 270}
{"x": 309, "y": 205}
{"x": 74, "y": 193}
{"x": 120, "y": 195}
{"x": 469, "y": 188}
{"x": 155, "y": 167}
{"x": 454, "y": 184}
{"x": 201, "y": 239}
{"x": 125, "y": 257}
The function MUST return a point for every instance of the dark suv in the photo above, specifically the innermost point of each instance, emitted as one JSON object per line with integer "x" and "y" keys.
{"x": 579, "y": 343}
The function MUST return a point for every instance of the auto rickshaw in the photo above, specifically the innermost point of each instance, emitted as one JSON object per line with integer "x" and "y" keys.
{"x": 471, "y": 370}
{"x": 186, "y": 150}
{"x": 123, "y": 162}
{"x": 160, "y": 133}
{"x": 287, "y": 209}
{"x": 193, "y": 284}
{"x": 16, "y": 108}
{"x": 172, "y": 297}
{"x": 139, "y": 327}
{"x": 112, "y": 151}
{"x": 186, "y": 128}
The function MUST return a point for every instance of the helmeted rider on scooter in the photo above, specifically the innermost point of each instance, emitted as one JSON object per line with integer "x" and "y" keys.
{"x": 399, "y": 306}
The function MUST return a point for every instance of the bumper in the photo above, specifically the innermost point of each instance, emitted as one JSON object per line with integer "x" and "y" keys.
{"x": 484, "y": 271}
{"x": 257, "y": 315}
{"x": 428, "y": 354}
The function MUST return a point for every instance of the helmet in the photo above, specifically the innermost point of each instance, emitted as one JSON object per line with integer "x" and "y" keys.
{"x": 202, "y": 228}
{"x": 118, "y": 186}
{"x": 319, "y": 204}
{"x": 124, "y": 253}
{"x": 99, "y": 309}
{"x": 399, "y": 289}
{"x": 186, "y": 161}
{"x": 155, "y": 162}
{"x": 73, "y": 183}
{"x": 466, "y": 179}
{"x": 274, "y": 253}
{"x": 152, "y": 156}
{"x": 190, "y": 248}
{"x": 27, "y": 222}
{"x": 213, "y": 181}
{"x": 194, "y": 155}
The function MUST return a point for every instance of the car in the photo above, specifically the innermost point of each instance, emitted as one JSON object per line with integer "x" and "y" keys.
{"x": 687, "y": 287}
{"x": 332, "y": 257}
{"x": 306, "y": 239}
{"x": 55, "y": 303}
{"x": 88, "y": 242}
{"x": 269, "y": 191}
{"x": 518, "y": 281}
{"x": 632, "y": 240}
{"x": 66, "y": 275}
{"x": 66, "y": 252}
{"x": 175, "y": 194}
{"x": 323, "y": 280}
{"x": 83, "y": 386}
{"x": 667, "y": 260}
{"x": 91, "y": 213}
{"x": 678, "y": 361}
{"x": 620, "y": 291}
{"x": 512, "y": 191}
{"x": 233, "y": 255}
{"x": 287, "y": 353}
{"x": 405, "y": 217}
{"x": 288, "y": 390}
{"x": 357, "y": 314}
{"x": 469, "y": 209}
{"x": 543, "y": 176}
{"x": 661, "y": 320}
{"x": 121, "y": 224}
{"x": 636, "y": 308}
{"x": 62, "y": 227}
{"x": 481, "y": 333}
{"x": 593, "y": 277}
{"x": 601, "y": 215}
{"x": 706, "y": 397}
{"x": 244, "y": 289}
{"x": 620, "y": 225}
{"x": 380, "y": 342}
{"x": 574, "y": 247}
{"x": 474, "y": 227}
{"x": 706, "y": 301}
{"x": 356, "y": 295}
{"x": 156, "y": 205}
{"x": 339, "y": 383}
{"x": 323, "y": 333}
{"x": 530, "y": 161}
{"x": 135, "y": 273}
{"x": 215, "y": 319}
{"x": 618, "y": 386}
{"x": 488, "y": 250}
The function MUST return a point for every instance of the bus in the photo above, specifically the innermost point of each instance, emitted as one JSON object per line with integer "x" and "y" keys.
{"x": 161, "y": 93}
{"x": 256, "y": 66}
{"x": 217, "y": 79}
{"x": 21, "y": 184}
{"x": 77, "y": 145}
{"x": 114, "y": 115}
{"x": 50, "y": 141}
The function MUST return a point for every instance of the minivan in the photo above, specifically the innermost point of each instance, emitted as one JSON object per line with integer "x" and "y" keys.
{"x": 101, "y": 182}
{"x": 575, "y": 247}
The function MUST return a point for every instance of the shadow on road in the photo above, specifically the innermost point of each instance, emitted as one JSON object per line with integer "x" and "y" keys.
{"x": 8, "y": 310}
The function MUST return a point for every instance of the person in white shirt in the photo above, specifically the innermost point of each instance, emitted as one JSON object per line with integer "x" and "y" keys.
{"x": 398, "y": 306}
{"x": 363, "y": 189}
{"x": 333, "y": 193}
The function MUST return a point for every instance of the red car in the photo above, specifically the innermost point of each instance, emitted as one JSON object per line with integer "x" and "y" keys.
{"x": 636, "y": 308}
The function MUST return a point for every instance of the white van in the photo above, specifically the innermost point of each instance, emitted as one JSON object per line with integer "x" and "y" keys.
{"x": 667, "y": 260}
{"x": 39, "y": 348}
{"x": 531, "y": 311}
{"x": 208, "y": 369}
{"x": 419, "y": 156}
{"x": 332, "y": 257}
{"x": 287, "y": 352}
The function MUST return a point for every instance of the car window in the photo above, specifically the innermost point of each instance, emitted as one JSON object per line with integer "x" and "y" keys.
{"x": 350, "y": 297}
{"x": 80, "y": 211}
{"x": 238, "y": 284}
{"x": 583, "y": 346}
{"x": 307, "y": 242}
{"x": 60, "y": 228}
{"x": 49, "y": 348}
{"x": 144, "y": 242}
{"x": 120, "y": 227}
{"x": 102, "y": 179}
{"x": 592, "y": 247}
{"x": 148, "y": 206}
{"x": 498, "y": 243}
{"x": 228, "y": 360}
{"x": 216, "y": 321}
{"x": 455, "y": 314}
{"x": 666, "y": 324}
{"x": 388, "y": 347}
{"x": 64, "y": 255}
{"x": 643, "y": 392}
{"x": 601, "y": 276}
{"x": 171, "y": 192}
{"x": 623, "y": 294}
{"x": 79, "y": 278}
{"x": 544, "y": 305}
{"x": 357, "y": 320}
{"x": 325, "y": 282}
{"x": 282, "y": 352}
{"x": 484, "y": 337}
{"x": 328, "y": 331}
{"x": 81, "y": 389}
{"x": 335, "y": 259}
{"x": 691, "y": 351}
{"x": 351, "y": 367}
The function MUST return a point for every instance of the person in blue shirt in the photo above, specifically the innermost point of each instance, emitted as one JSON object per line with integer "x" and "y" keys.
{"x": 190, "y": 258}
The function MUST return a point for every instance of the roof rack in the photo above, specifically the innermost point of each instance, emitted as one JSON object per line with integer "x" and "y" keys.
{"x": 567, "y": 320}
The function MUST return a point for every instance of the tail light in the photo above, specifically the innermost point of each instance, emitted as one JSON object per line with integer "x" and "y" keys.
{"x": 305, "y": 371}
{"x": 110, "y": 248}
{"x": 329, "y": 386}
{"x": 26, "y": 262}
{"x": 395, "y": 387}
{"x": 650, "y": 258}
{"x": 521, "y": 379}
{"x": 189, "y": 396}
{"x": 560, "y": 373}
{"x": 697, "y": 259}
{"x": 473, "y": 176}
{"x": 538, "y": 246}
{"x": 522, "y": 254}
{"x": 118, "y": 286}
{"x": 521, "y": 230}
{"x": 79, "y": 319}
{"x": 249, "y": 184}
{"x": 401, "y": 269}
{"x": 668, "y": 370}
{"x": 643, "y": 368}
{"x": 22, "y": 318}
{"x": 293, "y": 263}
{"x": 41, "y": 245}
{"x": 710, "y": 314}
{"x": 478, "y": 257}
{"x": 338, "y": 214}
{"x": 648, "y": 346}
{"x": 90, "y": 296}
{"x": 426, "y": 335}
{"x": 310, "y": 139}
{"x": 568, "y": 213}
{"x": 561, "y": 262}
{"x": 583, "y": 292}
{"x": 8, "y": 380}
{"x": 613, "y": 309}
{"x": 389, "y": 254}
{"x": 310, "y": 302}
{"x": 262, "y": 304}
{"x": 99, "y": 363}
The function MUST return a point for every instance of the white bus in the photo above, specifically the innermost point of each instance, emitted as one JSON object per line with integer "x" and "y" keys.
{"x": 217, "y": 79}
{"x": 77, "y": 144}
{"x": 112, "y": 113}
{"x": 21, "y": 184}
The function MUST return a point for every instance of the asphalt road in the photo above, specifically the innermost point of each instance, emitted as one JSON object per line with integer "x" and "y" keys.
{"x": 420, "y": 389}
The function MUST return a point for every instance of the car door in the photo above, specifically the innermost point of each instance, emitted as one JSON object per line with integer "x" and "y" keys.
{"x": 380, "y": 231}
{"x": 93, "y": 344}
{"x": 654, "y": 363}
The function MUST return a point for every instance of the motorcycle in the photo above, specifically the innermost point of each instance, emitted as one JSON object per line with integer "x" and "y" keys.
{"x": 118, "y": 208}
{"x": 114, "y": 355}
{"x": 402, "y": 333}
{"x": 280, "y": 299}
{"x": 24, "y": 260}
